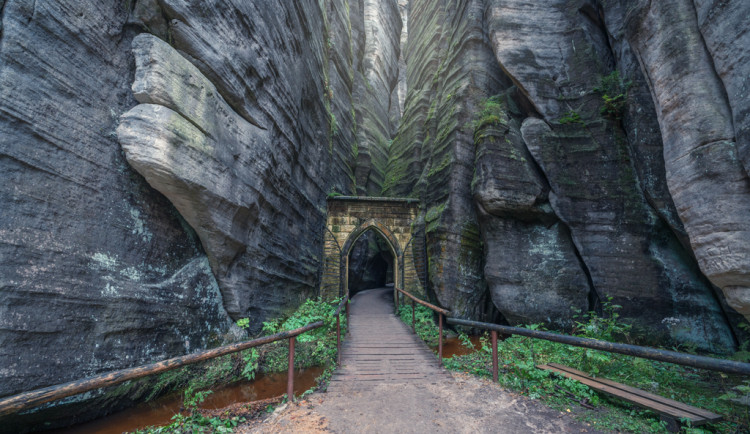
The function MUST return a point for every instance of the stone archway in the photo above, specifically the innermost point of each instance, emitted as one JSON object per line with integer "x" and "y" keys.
{"x": 394, "y": 219}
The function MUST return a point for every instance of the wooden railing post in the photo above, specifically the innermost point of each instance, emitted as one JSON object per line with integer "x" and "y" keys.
{"x": 290, "y": 377}
{"x": 494, "y": 356}
{"x": 440, "y": 337}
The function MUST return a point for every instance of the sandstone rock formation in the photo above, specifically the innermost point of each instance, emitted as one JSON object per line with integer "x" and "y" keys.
{"x": 97, "y": 270}
{"x": 565, "y": 179}
{"x": 240, "y": 119}
{"x": 166, "y": 164}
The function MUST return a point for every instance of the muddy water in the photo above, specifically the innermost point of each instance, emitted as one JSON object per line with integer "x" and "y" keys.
{"x": 454, "y": 347}
{"x": 160, "y": 411}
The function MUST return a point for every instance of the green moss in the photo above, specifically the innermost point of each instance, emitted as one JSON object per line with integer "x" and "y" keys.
{"x": 614, "y": 92}
{"x": 441, "y": 166}
{"x": 432, "y": 217}
{"x": 571, "y": 117}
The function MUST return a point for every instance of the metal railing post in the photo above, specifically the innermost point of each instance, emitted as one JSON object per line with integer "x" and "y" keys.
{"x": 348, "y": 324}
{"x": 494, "y": 356}
{"x": 440, "y": 337}
{"x": 290, "y": 376}
{"x": 413, "y": 318}
{"x": 338, "y": 338}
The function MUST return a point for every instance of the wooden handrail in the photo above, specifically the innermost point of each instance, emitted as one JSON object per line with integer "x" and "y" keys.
{"x": 37, "y": 397}
{"x": 710, "y": 363}
{"x": 440, "y": 312}
{"x": 424, "y": 303}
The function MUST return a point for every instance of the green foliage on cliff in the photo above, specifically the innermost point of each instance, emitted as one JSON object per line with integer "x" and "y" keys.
{"x": 571, "y": 117}
{"x": 491, "y": 113}
{"x": 614, "y": 92}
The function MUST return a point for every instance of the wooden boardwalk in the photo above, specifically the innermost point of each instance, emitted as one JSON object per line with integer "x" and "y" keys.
{"x": 382, "y": 349}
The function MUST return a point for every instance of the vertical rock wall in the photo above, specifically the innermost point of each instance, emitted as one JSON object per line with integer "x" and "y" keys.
{"x": 564, "y": 151}
{"x": 448, "y": 68}
{"x": 97, "y": 270}
{"x": 507, "y": 101}
{"x": 695, "y": 58}
{"x": 375, "y": 93}
{"x": 238, "y": 117}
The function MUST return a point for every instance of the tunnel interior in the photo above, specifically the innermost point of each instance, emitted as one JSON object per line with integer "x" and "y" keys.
{"x": 370, "y": 263}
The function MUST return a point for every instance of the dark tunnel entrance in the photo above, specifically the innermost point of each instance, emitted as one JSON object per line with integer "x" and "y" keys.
{"x": 371, "y": 263}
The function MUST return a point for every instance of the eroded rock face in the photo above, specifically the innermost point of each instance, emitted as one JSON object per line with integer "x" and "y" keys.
{"x": 97, "y": 270}
{"x": 225, "y": 126}
{"x": 531, "y": 266}
{"x": 564, "y": 180}
{"x": 696, "y": 65}
{"x": 240, "y": 117}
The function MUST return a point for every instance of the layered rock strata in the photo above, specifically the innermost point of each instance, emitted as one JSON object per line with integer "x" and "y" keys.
{"x": 239, "y": 119}
{"x": 570, "y": 188}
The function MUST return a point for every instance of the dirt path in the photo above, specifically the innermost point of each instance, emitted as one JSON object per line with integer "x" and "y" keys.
{"x": 390, "y": 382}
{"x": 465, "y": 405}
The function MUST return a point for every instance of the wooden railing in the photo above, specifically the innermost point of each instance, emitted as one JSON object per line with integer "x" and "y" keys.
{"x": 710, "y": 363}
{"x": 38, "y": 397}
{"x": 702, "y": 362}
{"x": 440, "y": 311}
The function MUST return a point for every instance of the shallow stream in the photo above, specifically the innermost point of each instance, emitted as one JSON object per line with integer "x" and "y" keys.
{"x": 160, "y": 411}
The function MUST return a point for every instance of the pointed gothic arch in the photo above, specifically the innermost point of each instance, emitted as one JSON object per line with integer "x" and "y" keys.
{"x": 394, "y": 219}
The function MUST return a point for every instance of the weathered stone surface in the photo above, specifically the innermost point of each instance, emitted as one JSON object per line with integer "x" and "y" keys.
{"x": 595, "y": 188}
{"x": 531, "y": 267}
{"x": 97, "y": 270}
{"x": 693, "y": 63}
{"x": 235, "y": 126}
{"x": 450, "y": 68}
{"x": 183, "y": 138}
{"x": 236, "y": 166}
{"x": 605, "y": 175}
{"x": 377, "y": 111}
{"x": 247, "y": 113}
{"x": 532, "y": 272}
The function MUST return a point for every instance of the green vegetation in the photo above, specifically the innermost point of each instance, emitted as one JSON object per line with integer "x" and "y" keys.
{"x": 492, "y": 112}
{"x": 518, "y": 357}
{"x": 571, "y": 117}
{"x": 614, "y": 92}
{"x": 192, "y": 421}
{"x": 314, "y": 348}
{"x": 424, "y": 321}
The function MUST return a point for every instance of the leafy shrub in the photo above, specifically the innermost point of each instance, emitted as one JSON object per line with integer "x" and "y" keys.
{"x": 424, "y": 321}
{"x": 614, "y": 92}
{"x": 518, "y": 357}
{"x": 191, "y": 421}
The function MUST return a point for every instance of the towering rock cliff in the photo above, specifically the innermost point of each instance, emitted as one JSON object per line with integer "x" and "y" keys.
{"x": 166, "y": 164}
{"x": 542, "y": 113}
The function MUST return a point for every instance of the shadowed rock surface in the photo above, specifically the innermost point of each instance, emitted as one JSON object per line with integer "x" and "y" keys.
{"x": 246, "y": 121}
{"x": 166, "y": 165}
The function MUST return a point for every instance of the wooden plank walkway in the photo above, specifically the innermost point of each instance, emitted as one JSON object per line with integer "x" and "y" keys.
{"x": 382, "y": 349}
